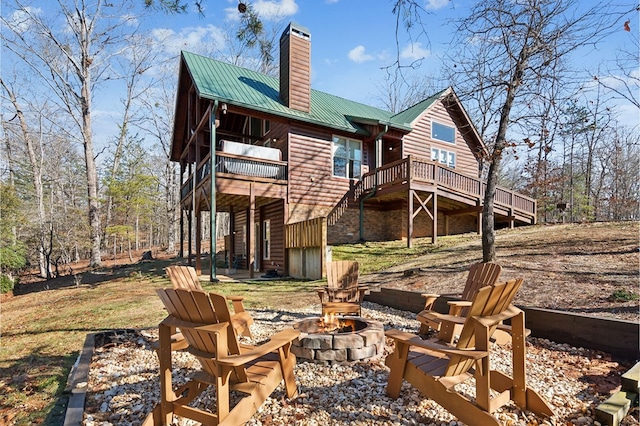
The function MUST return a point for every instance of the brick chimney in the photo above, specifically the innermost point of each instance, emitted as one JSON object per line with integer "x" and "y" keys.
{"x": 295, "y": 67}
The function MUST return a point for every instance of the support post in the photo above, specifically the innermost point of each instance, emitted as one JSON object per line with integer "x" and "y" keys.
{"x": 181, "y": 250}
{"x": 434, "y": 232}
{"x": 251, "y": 230}
{"x": 212, "y": 173}
{"x": 479, "y": 217}
{"x": 410, "y": 219}
{"x": 198, "y": 241}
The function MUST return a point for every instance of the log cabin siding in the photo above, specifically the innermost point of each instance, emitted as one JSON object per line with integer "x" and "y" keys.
{"x": 274, "y": 213}
{"x": 419, "y": 141}
{"x": 239, "y": 238}
{"x": 311, "y": 179}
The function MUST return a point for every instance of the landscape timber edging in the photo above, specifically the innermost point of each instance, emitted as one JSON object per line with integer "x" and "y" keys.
{"x": 616, "y": 337}
{"x": 78, "y": 382}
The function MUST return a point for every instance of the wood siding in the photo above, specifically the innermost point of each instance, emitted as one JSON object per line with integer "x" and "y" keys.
{"x": 273, "y": 212}
{"x": 239, "y": 239}
{"x": 311, "y": 179}
{"x": 419, "y": 141}
{"x": 295, "y": 69}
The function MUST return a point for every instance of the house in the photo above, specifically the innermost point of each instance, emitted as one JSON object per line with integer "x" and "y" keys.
{"x": 298, "y": 169}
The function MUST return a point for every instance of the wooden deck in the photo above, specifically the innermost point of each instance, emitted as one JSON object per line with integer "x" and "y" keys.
{"x": 415, "y": 174}
{"x": 238, "y": 179}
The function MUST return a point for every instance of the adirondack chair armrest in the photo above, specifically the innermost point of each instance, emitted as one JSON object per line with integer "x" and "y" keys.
{"x": 237, "y": 302}
{"x": 277, "y": 341}
{"x": 456, "y": 319}
{"x": 322, "y": 293}
{"x": 455, "y": 306}
{"x": 362, "y": 291}
{"x": 492, "y": 320}
{"x": 171, "y": 321}
{"x": 415, "y": 340}
{"x": 430, "y": 299}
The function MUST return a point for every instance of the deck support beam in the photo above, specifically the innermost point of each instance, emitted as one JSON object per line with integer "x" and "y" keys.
{"x": 410, "y": 220}
{"x": 479, "y": 217}
{"x": 434, "y": 218}
{"x": 412, "y": 213}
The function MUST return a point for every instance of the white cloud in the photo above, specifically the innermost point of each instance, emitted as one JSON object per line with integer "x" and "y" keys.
{"x": 20, "y": 20}
{"x": 358, "y": 55}
{"x": 274, "y": 9}
{"x": 415, "y": 51}
{"x": 193, "y": 39}
{"x": 268, "y": 10}
{"x": 435, "y": 4}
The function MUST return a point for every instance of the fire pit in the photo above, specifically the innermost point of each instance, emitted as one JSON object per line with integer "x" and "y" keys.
{"x": 331, "y": 339}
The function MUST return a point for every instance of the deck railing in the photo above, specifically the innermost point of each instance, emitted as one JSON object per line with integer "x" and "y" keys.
{"x": 236, "y": 165}
{"x": 426, "y": 171}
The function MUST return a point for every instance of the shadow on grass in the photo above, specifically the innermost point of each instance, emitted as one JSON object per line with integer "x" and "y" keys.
{"x": 98, "y": 276}
{"x": 41, "y": 379}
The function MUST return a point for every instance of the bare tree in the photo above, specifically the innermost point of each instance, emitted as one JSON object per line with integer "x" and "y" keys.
{"x": 159, "y": 108}
{"x": 70, "y": 59}
{"x": 622, "y": 78}
{"x": 523, "y": 44}
{"x": 398, "y": 94}
{"x": 32, "y": 143}
{"x": 136, "y": 58}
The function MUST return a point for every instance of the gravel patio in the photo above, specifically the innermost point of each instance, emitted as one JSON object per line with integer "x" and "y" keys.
{"x": 123, "y": 382}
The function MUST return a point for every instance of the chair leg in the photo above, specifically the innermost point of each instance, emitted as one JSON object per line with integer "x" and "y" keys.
{"x": 397, "y": 362}
{"x": 287, "y": 363}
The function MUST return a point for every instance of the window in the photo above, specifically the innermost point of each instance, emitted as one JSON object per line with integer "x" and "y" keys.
{"x": 442, "y": 132}
{"x": 347, "y": 158}
{"x": 257, "y": 128}
{"x": 266, "y": 239}
{"x": 443, "y": 156}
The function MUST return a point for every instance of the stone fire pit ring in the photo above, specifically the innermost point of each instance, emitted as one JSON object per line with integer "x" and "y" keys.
{"x": 339, "y": 347}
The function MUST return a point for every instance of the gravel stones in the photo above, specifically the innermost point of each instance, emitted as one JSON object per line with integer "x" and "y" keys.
{"x": 124, "y": 386}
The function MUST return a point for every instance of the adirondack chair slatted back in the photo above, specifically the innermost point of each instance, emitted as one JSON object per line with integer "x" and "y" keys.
{"x": 480, "y": 275}
{"x": 201, "y": 308}
{"x": 342, "y": 281}
{"x": 184, "y": 277}
{"x": 488, "y": 301}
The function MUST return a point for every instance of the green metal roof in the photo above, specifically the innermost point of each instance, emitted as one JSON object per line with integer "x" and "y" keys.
{"x": 242, "y": 87}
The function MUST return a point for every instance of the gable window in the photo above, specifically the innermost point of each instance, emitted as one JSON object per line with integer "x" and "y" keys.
{"x": 347, "y": 158}
{"x": 442, "y": 132}
{"x": 443, "y": 156}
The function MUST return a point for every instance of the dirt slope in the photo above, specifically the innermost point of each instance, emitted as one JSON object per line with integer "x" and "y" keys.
{"x": 580, "y": 268}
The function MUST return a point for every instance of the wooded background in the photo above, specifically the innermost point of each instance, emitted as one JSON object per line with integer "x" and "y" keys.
{"x": 553, "y": 129}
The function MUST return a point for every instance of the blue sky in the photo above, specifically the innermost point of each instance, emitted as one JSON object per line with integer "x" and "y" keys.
{"x": 352, "y": 40}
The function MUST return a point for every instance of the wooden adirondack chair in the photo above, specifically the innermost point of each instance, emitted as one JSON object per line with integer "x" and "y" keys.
{"x": 186, "y": 277}
{"x": 435, "y": 367}
{"x": 342, "y": 294}
{"x": 480, "y": 275}
{"x": 252, "y": 371}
